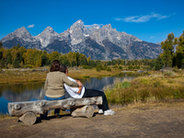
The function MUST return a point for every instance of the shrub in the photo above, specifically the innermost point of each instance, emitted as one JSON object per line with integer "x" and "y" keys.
{"x": 86, "y": 77}
{"x": 108, "y": 69}
{"x": 86, "y": 67}
{"x": 120, "y": 67}
{"x": 98, "y": 69}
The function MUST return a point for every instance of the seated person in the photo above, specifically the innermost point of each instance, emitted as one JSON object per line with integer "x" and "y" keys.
{"x": 82, "y": 92}
{"x": 54, "y": 84}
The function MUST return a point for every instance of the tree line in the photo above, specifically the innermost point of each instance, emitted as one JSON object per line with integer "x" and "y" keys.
{"x": 20, "y": 57}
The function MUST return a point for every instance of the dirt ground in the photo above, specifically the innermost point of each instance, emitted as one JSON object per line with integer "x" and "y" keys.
{"x": 140, "y": 120}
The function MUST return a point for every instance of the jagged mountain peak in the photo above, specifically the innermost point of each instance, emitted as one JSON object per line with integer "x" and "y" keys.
{"x": 78, "y": 32}
{"x": 21, "y": 31}
{"x": 107, "y": 26}
{"x": 22, "y": 37}
{"x": 96, "y": 26}
{"x": 47, "y": 36}
{"x": 49, "y": 29}
{"x": 79, "y": 22}
{"x": 77, "y": 25}
{"x": 93, "y": 28}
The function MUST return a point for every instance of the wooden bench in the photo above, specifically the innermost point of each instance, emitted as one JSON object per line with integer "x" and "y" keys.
{"x": 27, "y": 111}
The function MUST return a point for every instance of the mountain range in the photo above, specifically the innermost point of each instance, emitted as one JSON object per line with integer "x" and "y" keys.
{"x": 97, "y": 41}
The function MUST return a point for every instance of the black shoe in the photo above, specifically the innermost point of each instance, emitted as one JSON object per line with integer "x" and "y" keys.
{"x": 57, "y": 116}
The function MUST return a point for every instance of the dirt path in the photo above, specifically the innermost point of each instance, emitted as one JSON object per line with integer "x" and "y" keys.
{"x": 150, "y": 120}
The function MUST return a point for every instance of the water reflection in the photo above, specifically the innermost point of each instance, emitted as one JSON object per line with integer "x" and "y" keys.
{"x": 101, "y": 83}
{"x": 21, "y": 92}
{"x": 34, "y": 91}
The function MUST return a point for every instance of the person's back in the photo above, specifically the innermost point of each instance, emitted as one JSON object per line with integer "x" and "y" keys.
{"x": 54, "y": 84}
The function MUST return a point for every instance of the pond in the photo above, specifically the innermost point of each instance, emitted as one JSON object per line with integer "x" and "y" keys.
{"x": 34, "y": 91}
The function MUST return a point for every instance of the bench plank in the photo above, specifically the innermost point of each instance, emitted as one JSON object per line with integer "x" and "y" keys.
{"x": 38, "y": 107}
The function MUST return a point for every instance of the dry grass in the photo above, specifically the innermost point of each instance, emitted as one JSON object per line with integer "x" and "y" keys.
{"x": 177, "y": 104}
{"x": 3, "y": 117}
{"x": 88, "y": 73}
{"x": 155, "y": 87}
{"x": 12, "y": 77}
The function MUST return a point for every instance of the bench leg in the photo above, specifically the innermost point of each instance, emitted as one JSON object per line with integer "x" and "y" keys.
{"x": 85, "y": 111}
{"x": 29, "y": 118}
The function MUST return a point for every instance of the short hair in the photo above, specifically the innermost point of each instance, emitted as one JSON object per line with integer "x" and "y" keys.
{"x": 55, "y": 66}
{"x": 63, "y": 68}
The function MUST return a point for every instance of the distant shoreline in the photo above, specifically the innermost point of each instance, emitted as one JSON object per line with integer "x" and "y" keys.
{"x": 17, "y": 76}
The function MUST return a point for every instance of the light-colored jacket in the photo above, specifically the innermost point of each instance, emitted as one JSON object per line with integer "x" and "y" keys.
{"x": 73, "y": 91}
{"x": 54, "y": 84}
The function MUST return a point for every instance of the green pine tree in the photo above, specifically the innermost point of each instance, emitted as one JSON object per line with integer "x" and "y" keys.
{"x": 179, "y": 55}
{"x": 1, "y": 44}
{"x": 168, "y": 51}
{"x": 158, "y": 63}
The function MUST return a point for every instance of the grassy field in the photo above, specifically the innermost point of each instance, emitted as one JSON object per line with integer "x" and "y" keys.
{"x": 12, "y": 77}
{"x": 17, "y": 76}
{"x": 158, "y": 86}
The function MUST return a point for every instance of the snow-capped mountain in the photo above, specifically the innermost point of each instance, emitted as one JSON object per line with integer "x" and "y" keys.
{"x": 97, "y": 41}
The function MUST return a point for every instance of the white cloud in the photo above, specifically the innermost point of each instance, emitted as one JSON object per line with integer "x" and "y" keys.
{"x": 31, "y": 26}
{"x": 143, "y": 18}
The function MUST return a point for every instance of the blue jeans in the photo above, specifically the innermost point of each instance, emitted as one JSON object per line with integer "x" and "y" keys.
{"x": 51, "y": 99}
{"x": 56, "y": 111}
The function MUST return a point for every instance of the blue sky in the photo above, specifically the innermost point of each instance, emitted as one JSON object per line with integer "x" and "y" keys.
{"x": 149, "y": 20}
